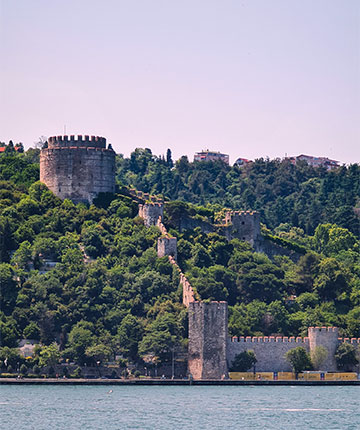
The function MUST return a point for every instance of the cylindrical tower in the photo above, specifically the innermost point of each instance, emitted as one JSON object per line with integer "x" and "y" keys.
{"x": 78, "y": 169}
{"x": 328, "y": 337}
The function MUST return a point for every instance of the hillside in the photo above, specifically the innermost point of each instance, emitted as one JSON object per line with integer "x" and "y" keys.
{"x": 89, "y": 278}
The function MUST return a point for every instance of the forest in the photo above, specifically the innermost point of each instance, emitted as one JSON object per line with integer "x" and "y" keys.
{"x": 85, "y": 281}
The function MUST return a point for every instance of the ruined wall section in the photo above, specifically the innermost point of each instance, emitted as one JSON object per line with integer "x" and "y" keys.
{"x": 244, "y": 226}
{"x": 78, "y": 169}
{"x": 150, "y": 212}
{"x": 166, "y": 245}
{"x": 208, "y": 328}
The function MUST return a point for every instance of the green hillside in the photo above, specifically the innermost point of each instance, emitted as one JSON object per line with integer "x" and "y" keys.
{"x": 88, "y": 278}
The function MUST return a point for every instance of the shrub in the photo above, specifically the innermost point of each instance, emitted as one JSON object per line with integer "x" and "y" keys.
{"x": 299, "y": 359}
{"x": 77, "y": 373}
{"x": 345, "y": 356}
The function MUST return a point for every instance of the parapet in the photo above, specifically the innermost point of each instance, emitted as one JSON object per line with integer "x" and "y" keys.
{"x": 315, "y": 330}
{"x": 353, "y": 340}
{"x": 230, "y": 215}
{"x": 270, "y": 339}
{"x": 80, "y": 141}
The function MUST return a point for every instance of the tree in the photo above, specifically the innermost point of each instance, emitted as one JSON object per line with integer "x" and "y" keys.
{"x": 49, "y": 355}
{"x": 8, "y": 288}
{"x": 318, "y": 356}
{"x": 299, "y": 359}
{"x": 129, "y": 334}
{"x": 346, "y": 357}
{"x": 80, "y": 338}
{"x": 98, "y": 352}
{"x": 169, "y": 161}
{"x": 243, "y": 361}
{"x": 32, "y": 331}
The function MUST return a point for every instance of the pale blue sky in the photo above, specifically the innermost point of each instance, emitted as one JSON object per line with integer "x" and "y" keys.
{"x": 250, "y": 78}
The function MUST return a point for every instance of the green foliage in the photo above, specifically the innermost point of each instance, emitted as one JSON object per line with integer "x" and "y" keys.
{"x": 49, "y": 355}
{"x": 346, "y": 357}
{"x": 243, "y": 361}
{"x": 89, "y": 276}
{"x": 318, "y": 356}
{"x": 299, "y": 359}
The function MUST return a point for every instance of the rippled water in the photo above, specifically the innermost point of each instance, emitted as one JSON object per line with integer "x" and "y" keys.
{"x": 166, "y": 407}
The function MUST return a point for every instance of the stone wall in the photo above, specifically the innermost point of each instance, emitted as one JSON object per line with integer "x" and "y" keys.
{"x": 150, "y": 212}
{"x": 328, "y": 337}
{"x": 78, "y": 169}
{"x": 208, "y": 328}
{"x": 244, "y": 226}
{"x": 269, "y": 351}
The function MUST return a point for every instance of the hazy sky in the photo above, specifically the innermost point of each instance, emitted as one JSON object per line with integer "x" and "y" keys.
{"x": 250, "y": 78}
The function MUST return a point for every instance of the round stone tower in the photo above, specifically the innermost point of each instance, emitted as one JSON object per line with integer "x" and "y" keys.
{"x": 78, "y": 169}
{"x": 328, "y": 337}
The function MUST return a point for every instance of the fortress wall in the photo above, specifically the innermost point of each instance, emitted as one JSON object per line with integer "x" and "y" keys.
{"x": 270, "y": 351}
{"x": 167, "y": 246}
{"x": 208, "y": 339}
{"x": 150, "y": 212}
{"x": 78, "y": 172}
{"x": 243, "y": 225}
{"x": 328, "y": 337}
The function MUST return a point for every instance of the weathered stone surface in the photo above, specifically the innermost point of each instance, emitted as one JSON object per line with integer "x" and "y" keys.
{"x": 328, "y": 337}
{"x": 269, "y": 351}
{"x": 207, "y": 340}
{"x": 167, "y": 246}
{"x": 150, "y": 212}
{"x": 78, "y": 169}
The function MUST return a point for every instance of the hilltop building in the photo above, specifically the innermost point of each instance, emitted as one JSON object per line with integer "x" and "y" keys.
{"x": 211, "y": 156}
{"x": 78, "y": 169}
{"x": 316, "y": 161}
{"x": 241, "y": 162}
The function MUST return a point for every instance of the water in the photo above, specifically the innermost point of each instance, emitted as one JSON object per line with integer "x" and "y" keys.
{"x": 196, "y": 407}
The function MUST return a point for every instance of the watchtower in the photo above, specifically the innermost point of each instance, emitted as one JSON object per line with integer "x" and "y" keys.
{"x": 328, "y": 337}
{"x": 243, "y": 225}
{"x": 78, "y": 169}
{"x": 150, "y": 212}
{"x": 208, "y": 332}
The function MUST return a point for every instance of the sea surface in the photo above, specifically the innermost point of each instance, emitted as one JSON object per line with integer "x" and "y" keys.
{"x": 180, "y": 407}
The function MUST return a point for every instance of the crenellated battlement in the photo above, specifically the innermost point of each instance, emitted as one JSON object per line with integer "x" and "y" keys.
{"x": 146, "y": 197}
{"x": 269, "y": 339}
{"x": 78, "y": 167}
{"x": 353, "y": 340}
{"x": 76, "y": 141}
{"x": 230, "y": 215}
{"x": 314, "y": 330}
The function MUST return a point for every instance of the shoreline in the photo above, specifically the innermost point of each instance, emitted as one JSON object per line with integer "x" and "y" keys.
{"x": 172, "y": 382}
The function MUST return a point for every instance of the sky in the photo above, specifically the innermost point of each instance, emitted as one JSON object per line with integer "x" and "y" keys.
{"x": 250, "y": 78}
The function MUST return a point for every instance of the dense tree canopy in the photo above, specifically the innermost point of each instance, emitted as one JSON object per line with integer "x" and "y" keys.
{"x": 88, "y": 277}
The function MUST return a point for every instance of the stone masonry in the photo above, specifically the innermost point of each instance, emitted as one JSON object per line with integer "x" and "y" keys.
{"x": 78, "y": 169}
{"x": 243, "y": 225}
{"x": 270, "y": 351}
{"x": 211, "y": 352}
{"x": 207, "y": 340}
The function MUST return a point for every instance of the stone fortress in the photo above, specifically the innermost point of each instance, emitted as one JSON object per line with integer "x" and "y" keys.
{"x": 211, "y": 351}
{"x": 78, "y": 168}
